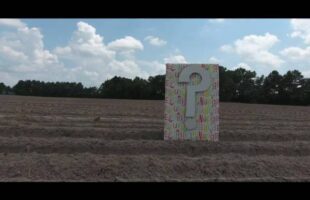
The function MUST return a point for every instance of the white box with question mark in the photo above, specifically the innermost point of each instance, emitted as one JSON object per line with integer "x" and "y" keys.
{"x": 192, "y": 102}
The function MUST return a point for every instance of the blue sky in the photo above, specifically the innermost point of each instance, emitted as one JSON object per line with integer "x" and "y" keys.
{"x": 93, "y": 50}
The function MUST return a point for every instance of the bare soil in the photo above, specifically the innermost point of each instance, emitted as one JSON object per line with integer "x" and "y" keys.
{"x": 70, "y": 139}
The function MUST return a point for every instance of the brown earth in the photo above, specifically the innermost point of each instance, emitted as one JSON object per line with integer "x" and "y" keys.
{"x": 66, "y": 139}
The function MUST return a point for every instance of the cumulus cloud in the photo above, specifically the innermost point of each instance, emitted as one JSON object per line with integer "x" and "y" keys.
{"x": 8, "y": 78}
{"x": 22, "y": 50}
{"x": 15, "y": 23}
{"x": 12, "y": 54}
{"x": 159, "y": 67}
{"x": 125, "y": 44}
{"x": 126, "y": 47}
{"x": 242, "y": 65}
{"x": 214, "y": 60}
{"x": 175, "y": 59}
{"x": 85, "y": 45}
{"x": 256, "y": 49}
{"x": 85, "y": 41}
{"x": 301, "y": 29}
{"x": 85, "y": 58}
{"x": 306, "y": 74}
{"x": 153, "y": 67}
{"x": 93, "y": 61}
{"x": 296, "y": 53}
{"x": 155, "y": 41}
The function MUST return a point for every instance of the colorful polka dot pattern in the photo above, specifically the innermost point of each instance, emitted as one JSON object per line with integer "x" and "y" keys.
{"x": 207, "y": 105}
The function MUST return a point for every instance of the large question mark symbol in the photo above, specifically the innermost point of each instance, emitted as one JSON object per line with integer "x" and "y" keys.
{"x": 191, "y": 91}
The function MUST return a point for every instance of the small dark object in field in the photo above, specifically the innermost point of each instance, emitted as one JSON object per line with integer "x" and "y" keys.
{"x": 97, "y": 119}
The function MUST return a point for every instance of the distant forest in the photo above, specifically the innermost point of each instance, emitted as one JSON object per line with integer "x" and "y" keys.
{"x": 237, "y": 85}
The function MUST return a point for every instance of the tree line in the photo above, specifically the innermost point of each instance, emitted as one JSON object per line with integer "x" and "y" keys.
{"x": 244, "y": 86}
{"x": 239, "y": 85}
{"x": 117, "y": 87}
{"x": 5, "y": 89}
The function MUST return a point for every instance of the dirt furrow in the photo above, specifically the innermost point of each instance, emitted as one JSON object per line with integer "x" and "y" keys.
{"x": 146, "y": 133}
{"x": 84, "y": 132}
{"x": 93, "y": 167}
{"x": 66, "y": 145}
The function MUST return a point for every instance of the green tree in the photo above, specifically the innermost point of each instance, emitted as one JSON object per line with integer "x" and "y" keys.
{"x": 258, "y": 95}
{"x": 244, "y": 85}
{"x": 306, "y": 91}
{"x": 2, "y": 88}
{"x": 157, "y": 86}
{"x": 140, "y": 89}
{"x": 291, "y": 88}
{"x": 272, "y": 87}
{"x": 117, "y": 87}
{"x": 227, "y": 86}
{"x": 239, "y": 85}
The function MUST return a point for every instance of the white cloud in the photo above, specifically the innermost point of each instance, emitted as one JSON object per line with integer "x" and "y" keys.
{"x": 153, "y": 67}
{"x": 214, "y": 60}
{"x": 89, "y": 73}
{"x": 125, "y": 47}
{"x": 155, "y": 41}
{"x": 16, "y": 23}
{"x": 94, "y": 61}
{"x": 227, "y": 48}
{"x": 296, "y": 53}
{"x": 255, "y": 49}
{"x": 125, "y": 44}
{"x": 216, "y": 20}
{"x": 44, "y": 57}
{"x": 22, "y": 51}
{"x": 85, "y": 58}
{"x": 12, "y": 54}
{"x": 175, "y": 59}
{"x": 8, "y": 78}
{"x": 306, "y": 74}
{"x": 62, "y": 50}
{"x": 85, "y": 41}
{"x": 301, "y": 29}
{"x": 255, "y": 42}
{"x": 242, "y": 65}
